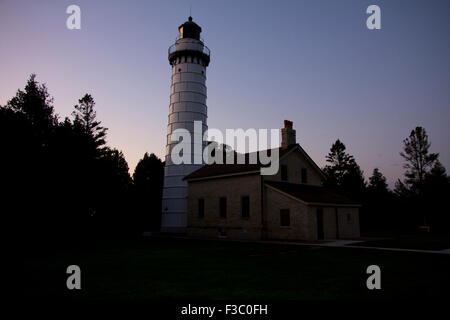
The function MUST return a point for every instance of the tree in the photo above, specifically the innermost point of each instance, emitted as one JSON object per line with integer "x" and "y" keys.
{"x": 437, "y": 176}
{"x": 148, "y": 180}
{"x": 401, "y": 189}
{"x": 435, "y": 192}
{"x": 64, "y": 185}
{"x": 118, "y": 172}
{"x": 419, "y": 160}
{"x": 147, "y": 173}
{"x": 27, "y": 126}
{"x": 419, "y": 164}
{"x": 111, "y": 205}
{"x": 339, "y": 162}
{"x": 379, "y": 205}
{"x": 343, "y": 173}
{"x": 36, "y": 104}
{"x": 85, "y": 120}
{"x": 377, "y": 182}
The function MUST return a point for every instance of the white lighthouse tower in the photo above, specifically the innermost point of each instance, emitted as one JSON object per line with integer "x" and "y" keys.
{"x": 189, "y": 58}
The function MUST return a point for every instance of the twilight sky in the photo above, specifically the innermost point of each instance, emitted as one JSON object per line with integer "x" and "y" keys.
{"x": 313, "y": 62}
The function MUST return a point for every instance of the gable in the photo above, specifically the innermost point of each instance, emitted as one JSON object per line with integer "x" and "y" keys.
{"x": 294, "y": 156}
{"x": 216, "y": 170}
{"x": 296, "y": 161}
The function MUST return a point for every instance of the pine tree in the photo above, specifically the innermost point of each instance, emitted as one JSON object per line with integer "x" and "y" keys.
{"x": 148, "y": 179}
{"x": 419, "y": 161}
{"x": 85, "y": 120}
{"x": 377, "y": 182}
{"x": 343, "y": 173}
{"x": 36, "y": 106}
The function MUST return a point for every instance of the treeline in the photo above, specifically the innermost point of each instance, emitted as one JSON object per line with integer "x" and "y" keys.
{"x": 419, "y": 202}
{"x": 62, "y": 183}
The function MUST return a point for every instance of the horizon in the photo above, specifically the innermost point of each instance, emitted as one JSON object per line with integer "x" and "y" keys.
{"x": 340, "y": 81}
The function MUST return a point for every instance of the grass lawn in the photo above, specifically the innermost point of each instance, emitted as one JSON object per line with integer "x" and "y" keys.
{"x": 215, "y": 270}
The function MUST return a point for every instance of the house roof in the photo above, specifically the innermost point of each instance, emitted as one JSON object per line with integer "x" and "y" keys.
{"x": 311, "y": 194}
{"x": 215, "y": 169}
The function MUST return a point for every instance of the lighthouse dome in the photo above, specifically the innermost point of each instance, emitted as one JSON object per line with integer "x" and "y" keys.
{"x": 190, "y": 29}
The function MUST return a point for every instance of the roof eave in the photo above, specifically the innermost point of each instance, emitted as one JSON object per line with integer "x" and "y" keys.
{"x": 222, "y": 175}
{"x": 322, "y": 204}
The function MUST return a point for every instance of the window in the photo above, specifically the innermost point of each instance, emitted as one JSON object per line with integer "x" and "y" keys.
{"x": 285, "y": 218}
{"x": 245, "y": 207}
{"x": 284, "y": 172}
{"x": 223, "y": 207}
{"x": 201, "y": 208}
{"x": 304, "y": 175}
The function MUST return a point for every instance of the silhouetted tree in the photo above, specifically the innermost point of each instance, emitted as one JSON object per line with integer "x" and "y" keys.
{"x": 436, "y": 176}
{"x": 435, "y": 192}
{"x": 85, "y": 120}
{"x": 64, "y": 185}
{"x": 113, "y": 206}
{"x": 419, "y": 160}
{"x": 119, "y": 167}
{"x": 377, "y": 182}
{"x": 148, "y": 180}
{"x": 339, "y": 162}
{"x": 420, "y": 164}
{"x": 379, "y": 205}
{"x": 36, "y": 104}
{"x": 343, "y": 173}
{"x": 27, "y": 126}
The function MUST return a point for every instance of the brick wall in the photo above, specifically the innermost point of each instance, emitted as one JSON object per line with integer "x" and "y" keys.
{"x": 234, "y": 225}
{"x": 300, "y": 221}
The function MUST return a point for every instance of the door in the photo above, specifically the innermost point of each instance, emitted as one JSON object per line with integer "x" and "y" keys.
{"x": 319, "y": 224}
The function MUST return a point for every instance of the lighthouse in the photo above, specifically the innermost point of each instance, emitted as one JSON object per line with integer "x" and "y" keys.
{"x": 189, "y": 58}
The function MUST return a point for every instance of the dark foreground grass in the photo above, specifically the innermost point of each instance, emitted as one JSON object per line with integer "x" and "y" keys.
{"x": 171, "y": 269}
{"x": 420, "y": 241}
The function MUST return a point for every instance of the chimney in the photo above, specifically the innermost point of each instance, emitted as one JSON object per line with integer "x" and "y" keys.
{"x": 287, "y": 135}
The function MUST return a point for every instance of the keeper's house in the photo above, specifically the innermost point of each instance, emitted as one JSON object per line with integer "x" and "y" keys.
{"x": 237, "y": 202}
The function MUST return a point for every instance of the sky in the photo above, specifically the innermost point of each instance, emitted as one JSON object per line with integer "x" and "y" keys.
{"x": 313, "y": 62}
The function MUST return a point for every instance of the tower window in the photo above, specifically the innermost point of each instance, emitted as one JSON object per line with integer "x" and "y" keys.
{"x": 223, "y": 207}
{"x": 285, "y": 218}
{"x": 284, "y": 172}
{"x": 181, "y": 31}
{"x": 179, "y": 69}
{"x": 201, "y": 208}
{"x": 245, "y": 207}
{"x": 304, "y": 175}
